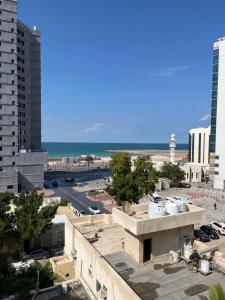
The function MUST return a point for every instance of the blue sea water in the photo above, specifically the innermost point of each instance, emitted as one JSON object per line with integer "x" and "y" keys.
{"x": 76, "y": 149}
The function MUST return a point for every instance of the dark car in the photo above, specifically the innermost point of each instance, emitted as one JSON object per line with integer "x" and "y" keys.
{"x": 55, "y": 183}
{"x": 69, "y": 179}
{"x": 201, "y": 235}
{"x": 212, "y": 233}
{"x": 184, "y": 185}
{"x": 38, "y": 253}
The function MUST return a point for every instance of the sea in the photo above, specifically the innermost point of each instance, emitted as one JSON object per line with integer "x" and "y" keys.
{"x": 58, "y": 150}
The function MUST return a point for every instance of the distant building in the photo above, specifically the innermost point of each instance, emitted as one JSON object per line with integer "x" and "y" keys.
{"x": 217, "y": 141}
{"x": 21, "y": 158}
{"x": 199, "y": 146}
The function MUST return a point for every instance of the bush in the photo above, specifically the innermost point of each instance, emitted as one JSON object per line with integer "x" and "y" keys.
{"x": 64, "y": 202}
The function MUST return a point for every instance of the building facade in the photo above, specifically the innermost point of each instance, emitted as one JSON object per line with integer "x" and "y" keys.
{"x": 199, "y": 146}
{"x": 21, "y": 158}
{"x": 217, "y": 142}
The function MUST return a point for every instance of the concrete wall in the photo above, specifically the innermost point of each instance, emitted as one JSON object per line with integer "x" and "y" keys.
{"x": 161, "y": 242}
{"x": 194, "y": 215}
{"x": 90, "y": 265}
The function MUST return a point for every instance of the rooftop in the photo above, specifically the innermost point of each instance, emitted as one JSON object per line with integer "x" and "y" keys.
{"x": 152, "y": 280}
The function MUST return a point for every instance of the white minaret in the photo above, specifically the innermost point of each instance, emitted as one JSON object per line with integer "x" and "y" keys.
{"x": 172, "y": 147}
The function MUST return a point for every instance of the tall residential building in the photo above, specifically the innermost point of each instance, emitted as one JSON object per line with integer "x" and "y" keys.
{"x": 199, "y": 146}
{"x": 21, "y": 158}
{"x": 217, "y": 141}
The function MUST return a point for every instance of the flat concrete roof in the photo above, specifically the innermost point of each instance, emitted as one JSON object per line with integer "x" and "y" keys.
{"x": 153, "y": 280}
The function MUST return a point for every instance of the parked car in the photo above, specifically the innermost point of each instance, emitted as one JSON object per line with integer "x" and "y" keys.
{"x": 184, "y": 185}
{"x": 69, "y": 179}
{"x": 212, "y": 233}
{"x": 55, "y": 183}
{"x": 220, "y": 227}
{"x": 201, "y": 235}
{"x": 38, "y": 253}
{"x": 94, "y": 209}
{"x": 100, "y": 191}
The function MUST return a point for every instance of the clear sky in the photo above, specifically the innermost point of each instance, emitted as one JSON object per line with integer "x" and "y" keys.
{"x": 125, "y": 70}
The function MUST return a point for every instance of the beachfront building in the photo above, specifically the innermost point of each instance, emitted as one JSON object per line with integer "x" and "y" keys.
{"x": 21, "y": 158}
{"x": 217, "y": 142}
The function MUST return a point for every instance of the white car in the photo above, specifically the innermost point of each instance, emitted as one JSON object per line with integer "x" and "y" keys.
{"x": 219, "y": 226}
{"x": 94, "y": 209}
{"x": 100, "y": 191}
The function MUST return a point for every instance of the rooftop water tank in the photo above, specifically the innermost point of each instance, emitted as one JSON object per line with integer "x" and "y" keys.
{"x": 204, "y": 266}
{"x": 182, "y": 205}
{"x": 156, "y": 210}
{"x": 172, "y": 208}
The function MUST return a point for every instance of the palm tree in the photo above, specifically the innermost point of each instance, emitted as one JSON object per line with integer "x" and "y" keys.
{"x": 215, "y": 293}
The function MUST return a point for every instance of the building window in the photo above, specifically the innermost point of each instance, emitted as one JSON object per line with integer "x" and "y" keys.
{"x": 0, "y": 148}
{"x": 9, "y": 187}
{"x": 1, "y": 169}
{"x": 13, "y": 163}
{"x": 0, "y": 158}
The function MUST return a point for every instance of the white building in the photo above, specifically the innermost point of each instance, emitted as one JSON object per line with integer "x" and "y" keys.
{"x": 199, "y": 145}
{"x": 217, "y": 141}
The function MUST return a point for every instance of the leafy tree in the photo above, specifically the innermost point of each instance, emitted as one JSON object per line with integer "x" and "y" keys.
{"x": 89, "y": 160}
{"x": 173, "y": 173}
{"x": 120, "y": 164}
{"x": 145, "y": 174}
{"x": 30, "y": 218}
{"x": 215, "y": 293}
{"x": 127, "y": 185}
{"x": 124, "y": 188}
{"x": 6, "y": 217}
{"x": 64, "y": 202}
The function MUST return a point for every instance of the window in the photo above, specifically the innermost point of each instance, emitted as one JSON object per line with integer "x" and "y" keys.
{"x": 13, "y": 133}
{"x": 1, "y": 169}
{"x": 9, "y": 187}
{"x": 13, "y": 163}
{"x": 0, "y": 128}
{"x": 0, "y": 148}
{"x": 13, "y": 144}
{"x": 0, "y": 158}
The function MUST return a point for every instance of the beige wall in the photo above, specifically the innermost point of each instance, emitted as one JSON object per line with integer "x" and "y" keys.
{"x": 162, "y": 241}
{"x": 90, "y": 265}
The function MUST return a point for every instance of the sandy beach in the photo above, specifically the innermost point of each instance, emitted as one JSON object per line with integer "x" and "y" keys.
{"x": 180, "y": 154}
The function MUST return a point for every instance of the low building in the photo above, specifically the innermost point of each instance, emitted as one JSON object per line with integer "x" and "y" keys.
{"x": 125, "y": 256}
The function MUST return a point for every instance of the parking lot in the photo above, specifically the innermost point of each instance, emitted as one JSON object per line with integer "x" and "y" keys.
{"x": 76, "y": 192}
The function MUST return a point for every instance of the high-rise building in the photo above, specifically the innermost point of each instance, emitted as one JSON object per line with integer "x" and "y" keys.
{"x": 21, "y": 158}
{"x": 199, "y": 146}
{"x": 217, "y": 141}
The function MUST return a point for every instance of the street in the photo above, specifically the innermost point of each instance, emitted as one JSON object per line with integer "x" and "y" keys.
{"x": 77, "y": 194}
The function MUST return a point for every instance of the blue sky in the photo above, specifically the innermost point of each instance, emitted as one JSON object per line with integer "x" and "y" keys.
{"x": 125, "y": 70}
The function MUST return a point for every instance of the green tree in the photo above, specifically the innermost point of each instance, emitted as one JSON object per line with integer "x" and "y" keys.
{"x": 30, "y": 217}
{"x": 64, "y": 202}
{"x": 215, "y": 293}
{"x": 145, "y": 174}
{"x": 89, "y": 160}
{"x": 120, "y": 164}
{"x": 124, "y": 188}
{"x": 6, "y": 217}
{"x": 173, "y": 173}
{"x": 128, "y": 186}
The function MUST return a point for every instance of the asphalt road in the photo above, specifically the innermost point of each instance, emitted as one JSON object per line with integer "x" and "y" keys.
{"x": 77, "y": 195}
